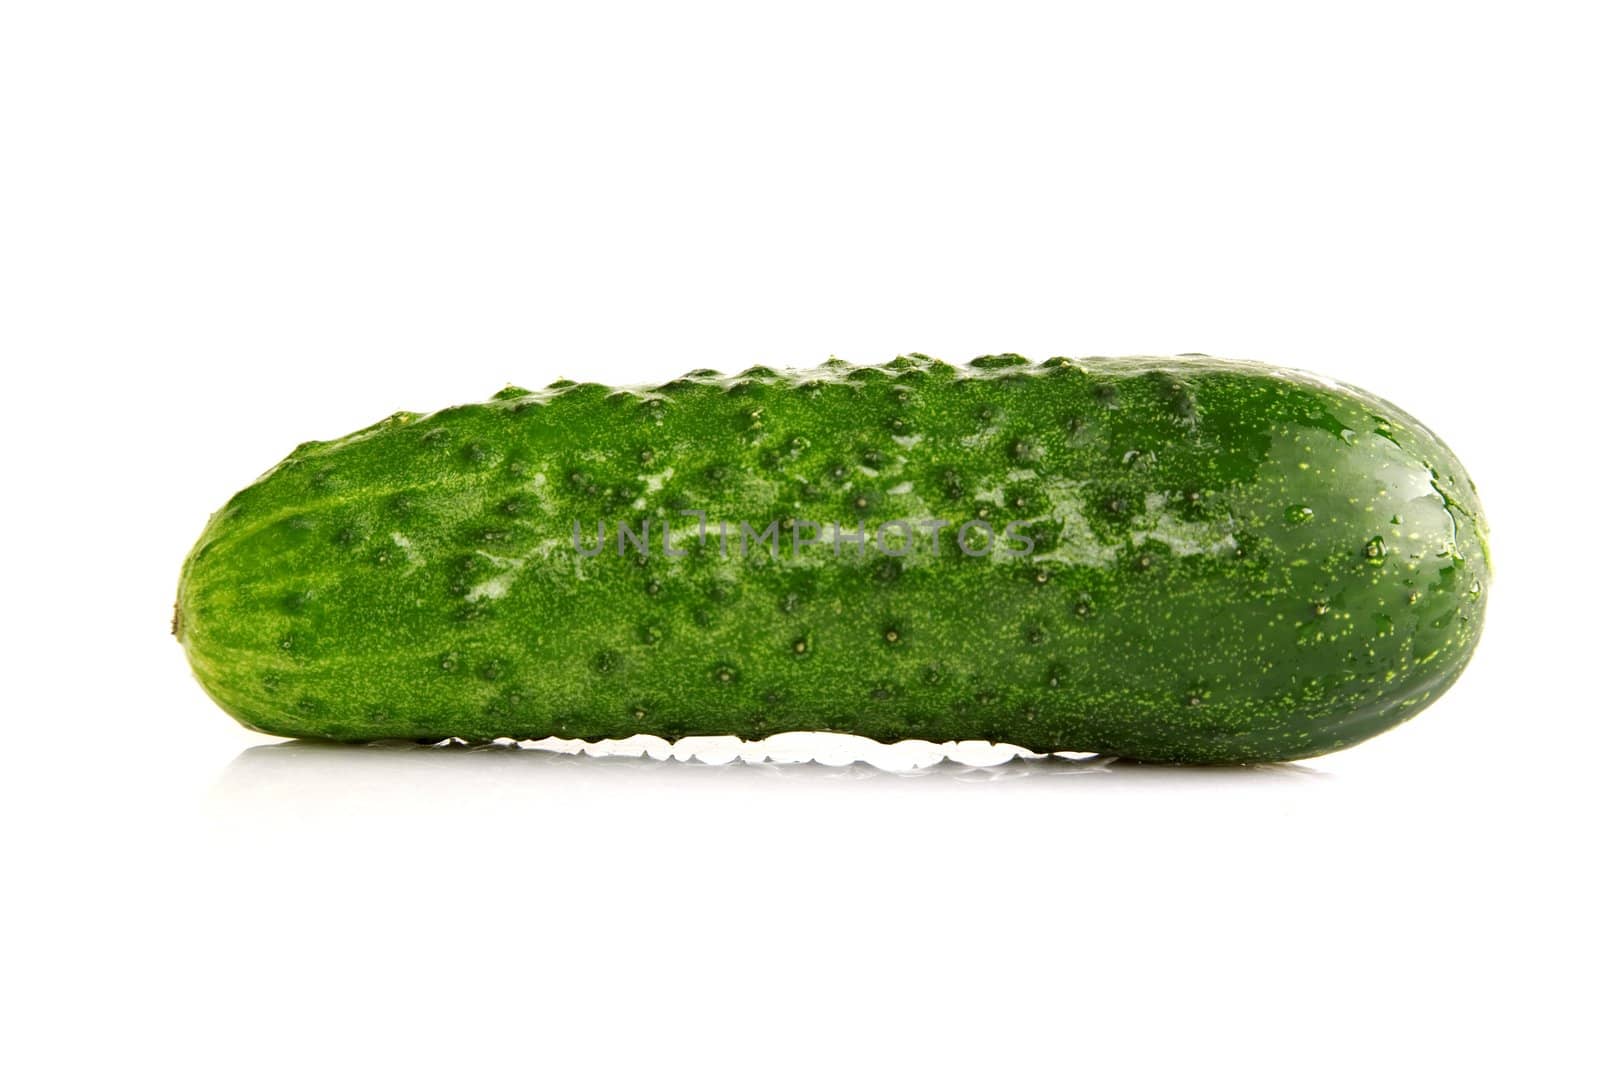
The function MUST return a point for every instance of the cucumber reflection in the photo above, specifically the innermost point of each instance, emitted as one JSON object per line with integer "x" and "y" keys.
{"x": 326, "y": 773}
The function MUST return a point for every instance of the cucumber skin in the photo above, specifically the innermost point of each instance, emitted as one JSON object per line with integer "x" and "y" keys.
{"x": 1234, "y": 563}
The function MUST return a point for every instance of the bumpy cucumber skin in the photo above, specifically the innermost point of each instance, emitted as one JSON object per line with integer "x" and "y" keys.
{"x": 1232, "y": 563}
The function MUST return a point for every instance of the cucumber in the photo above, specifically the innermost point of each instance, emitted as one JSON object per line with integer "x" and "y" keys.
{"x": 1185, "y": 559}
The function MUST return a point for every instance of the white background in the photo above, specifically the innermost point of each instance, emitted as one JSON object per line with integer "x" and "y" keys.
{"x": 227, "y": 228}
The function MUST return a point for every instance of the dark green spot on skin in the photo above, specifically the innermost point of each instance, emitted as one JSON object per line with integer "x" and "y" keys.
{"x": 999, "y": 362}
{"x": 1180, "y": 399}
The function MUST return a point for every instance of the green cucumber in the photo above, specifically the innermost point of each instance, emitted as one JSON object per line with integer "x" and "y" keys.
{"x": 1179, "y": 559}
